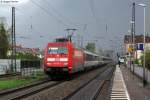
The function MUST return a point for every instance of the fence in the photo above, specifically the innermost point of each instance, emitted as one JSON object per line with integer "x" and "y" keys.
{"x": 5, "y": 66}
{"x": 25, "y": 67}
{"x": 29, "y": 67}
{"x": 139, "y": 72}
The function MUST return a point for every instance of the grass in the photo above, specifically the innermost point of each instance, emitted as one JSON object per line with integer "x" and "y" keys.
{"x": 16, "y": 82}
{"x": 12, "y": 83}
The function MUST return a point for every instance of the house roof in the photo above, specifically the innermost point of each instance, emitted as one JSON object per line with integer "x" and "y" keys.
{"x": 138, "y": 39}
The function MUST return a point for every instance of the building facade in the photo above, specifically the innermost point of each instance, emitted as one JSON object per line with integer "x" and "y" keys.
{"x": 138, "y": 46}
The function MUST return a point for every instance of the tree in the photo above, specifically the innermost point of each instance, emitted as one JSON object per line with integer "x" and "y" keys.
{"x": 90, "y": 47}
{"x": 4, "y": 44}
{"x": 26, "y": 56}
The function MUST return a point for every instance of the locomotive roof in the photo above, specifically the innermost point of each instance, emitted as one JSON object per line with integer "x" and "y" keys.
{"x": 57, "y": 43}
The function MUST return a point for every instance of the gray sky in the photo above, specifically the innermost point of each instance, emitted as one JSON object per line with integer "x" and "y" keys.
{"x": 43, "y": 20}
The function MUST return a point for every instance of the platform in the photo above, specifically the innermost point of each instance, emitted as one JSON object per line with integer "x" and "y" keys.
{"x": 118, "y": 88}
{"x": 135, "y": 86}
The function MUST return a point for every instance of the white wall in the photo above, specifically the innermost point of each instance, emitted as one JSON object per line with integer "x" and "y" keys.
{"x": 139, "y": 71}
{"x": 5, "y": 65}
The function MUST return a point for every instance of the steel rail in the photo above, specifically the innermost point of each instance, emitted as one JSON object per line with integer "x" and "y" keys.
{"x": 84, "y": 85}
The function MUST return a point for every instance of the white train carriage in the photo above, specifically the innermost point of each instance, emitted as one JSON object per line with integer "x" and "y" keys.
{"x": 105, "y": 60}
{"x": 91, "y": 59}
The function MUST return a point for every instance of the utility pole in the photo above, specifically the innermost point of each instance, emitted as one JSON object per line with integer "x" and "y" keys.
{"x": 133, "y": 33}
{"x": 82, "y": 42}
{"x": 13, "y": 46}
{"x": 144, "y": 63}
{"x": 130, "y": 42}
{"x": 144, "y": 44}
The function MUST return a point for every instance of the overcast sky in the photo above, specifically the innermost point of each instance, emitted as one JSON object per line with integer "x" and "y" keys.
{"x": 107, "y": 21}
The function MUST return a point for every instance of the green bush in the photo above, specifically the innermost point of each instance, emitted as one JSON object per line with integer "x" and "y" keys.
{"x": 136, "y": 61}
{"x": 147, "y": 59}
{"x": 28, "y": 56}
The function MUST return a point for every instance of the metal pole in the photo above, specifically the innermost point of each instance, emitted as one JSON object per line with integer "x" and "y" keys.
{"x": 130, "y": 43}
{"x": 14, "y": 41}
{"x": 144, "y": 77}
{"x": 13, "y": 46}
{"x": 12, "y": 37}
{"x": 133, "y": 33}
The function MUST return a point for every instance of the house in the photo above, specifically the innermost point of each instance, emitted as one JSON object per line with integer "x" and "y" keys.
{"x": 21, "y": 49}
{"x": 138, "y": 44}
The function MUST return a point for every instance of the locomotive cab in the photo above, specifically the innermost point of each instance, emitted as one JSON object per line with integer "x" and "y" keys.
{"x": 57, "y": 58}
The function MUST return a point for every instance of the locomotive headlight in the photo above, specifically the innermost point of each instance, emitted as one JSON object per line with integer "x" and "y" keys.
{"x": 50, "y": 59}
{"x": 49, "y": 63}
{"x": 63, "y": 59}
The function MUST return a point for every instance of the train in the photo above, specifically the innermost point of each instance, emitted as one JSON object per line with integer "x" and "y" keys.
{"x": 62, "y": 57}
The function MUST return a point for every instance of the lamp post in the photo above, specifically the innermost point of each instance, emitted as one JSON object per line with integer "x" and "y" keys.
{"x": 144, "y": 76}
{"x": 133, "y": 43}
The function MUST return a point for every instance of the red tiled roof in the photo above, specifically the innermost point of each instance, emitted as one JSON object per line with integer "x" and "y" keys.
{"x": 138, "y": 39}
{"x": 19, "y": 48}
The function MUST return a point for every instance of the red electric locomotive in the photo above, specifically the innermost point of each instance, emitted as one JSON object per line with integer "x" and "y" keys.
{"x": 62, "y": 57}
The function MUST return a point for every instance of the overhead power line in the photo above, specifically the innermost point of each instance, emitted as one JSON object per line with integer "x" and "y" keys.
{"x": 48, "y": 13}
{"x": 92, "y": 10}
{"x": 27, "y": 18}
{"x": 59, "y": 14}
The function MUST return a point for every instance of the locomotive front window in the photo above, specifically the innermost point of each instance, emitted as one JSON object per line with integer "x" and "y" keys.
{"x": 57, "y": 50}
{"x": 62, "y": 50}
{"x": 52, "y": 50}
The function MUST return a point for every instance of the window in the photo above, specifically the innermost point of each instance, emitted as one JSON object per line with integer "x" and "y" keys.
{"x": 57, "y": 50}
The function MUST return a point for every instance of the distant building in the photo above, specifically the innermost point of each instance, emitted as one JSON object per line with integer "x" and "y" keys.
{"x": 34, "y": 51}
{"x": 138, "y": 44}
{"x": 21, "y": 49}
{"x": 138, "y": 40}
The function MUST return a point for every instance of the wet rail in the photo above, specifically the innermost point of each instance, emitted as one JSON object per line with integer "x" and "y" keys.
{"x": 36, "y": 88}
{"x": 91, "y": 89}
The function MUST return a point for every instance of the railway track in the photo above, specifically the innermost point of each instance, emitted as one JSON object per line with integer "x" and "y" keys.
{"x": 17, "y": 94}
{"x": 61, "y": 91}
{"x": 92, "y": 89}
{"x": 27, "y": 91}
